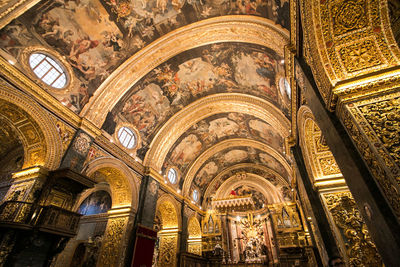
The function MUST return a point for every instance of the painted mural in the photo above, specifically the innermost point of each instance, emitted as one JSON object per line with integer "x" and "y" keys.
{"x": 259, "y": 199}
{"x": 214, "y": 129}
{"x": 242, "y": 174}
{"x": 96, "y": 36}
{"x": 97, "y": 202}
{"x": 211, "y": 69}
{"x": 230, "y": 157}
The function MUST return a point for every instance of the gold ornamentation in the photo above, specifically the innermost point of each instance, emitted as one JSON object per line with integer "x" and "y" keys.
{"x": 360, "y": 249}
{"x": 320, "y": 162}
{"x": 329, "y": 166}
{"x": 360, "y": 55}
{"x": 168, "y": 249}
{"x": 42, "y": 146}
{"x": 351, "y": 118}
{"x": 169, "y": 218}
{"x": 348, "y": 16}
{"x": 347, "y": 39}
{"x": 384, "y": 118}
{"x": 109, "y": 255}
{"x": 65, "y": 132}
{"x": 10, "y": 10}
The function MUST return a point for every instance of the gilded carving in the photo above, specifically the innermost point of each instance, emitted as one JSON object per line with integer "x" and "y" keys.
{"x": 42, "y": 146}
{"x": 360, "y": 249}
{"x": 168, "y": 249}
{"x": 329, "y": 166}
{"x": 384, "y": 118}
{"x": 112, "y": 242}
{"x": 386, "y": 182}
{"x": 346, "y": 39}
{"x": 320, "y": 160}
{"x": 120, "y": 188}
{"x": 169, "y": 218}
{"x": 348, "y": 16}
{"x": 360, "y": 55}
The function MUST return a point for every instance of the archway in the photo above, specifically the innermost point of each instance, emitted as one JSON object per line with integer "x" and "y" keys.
{"x": 194, "y": 239}
{"x": 106, "y": 233}
{"x": 29, "y": 139}
{"x": 168, "y": 235}
{"x": 330, "y": 186}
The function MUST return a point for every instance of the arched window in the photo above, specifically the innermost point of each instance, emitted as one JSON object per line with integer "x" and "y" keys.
{"x": 172, "y": 176}
{"x": 48, "y": 70}
{"x": 127, "y": 137}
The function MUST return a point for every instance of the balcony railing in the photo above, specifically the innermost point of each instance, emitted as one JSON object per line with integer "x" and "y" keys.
{"x": 51, "y": 219}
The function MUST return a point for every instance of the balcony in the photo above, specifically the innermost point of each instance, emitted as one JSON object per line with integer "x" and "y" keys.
{"x": 50, "y": 219}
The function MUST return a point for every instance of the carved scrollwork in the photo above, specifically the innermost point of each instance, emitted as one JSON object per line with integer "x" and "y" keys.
{"x": 360, "y": 249}
{"x": 111, "y": 246}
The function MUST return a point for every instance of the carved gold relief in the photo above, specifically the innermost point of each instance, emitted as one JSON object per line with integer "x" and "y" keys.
{"x": 360, "y": 249}
{"x": 345, "y": 39}
{"x": 352, "y": 120}
{"x": 360, "y": 55}
{"x": 348, "y": 16}
{"x": 319, "y": 159}
{"x": 168, "y": 250}
{"x": 112, "y": 242}
{"x": 36, "y": 129}
{"x": 384, "y": 118}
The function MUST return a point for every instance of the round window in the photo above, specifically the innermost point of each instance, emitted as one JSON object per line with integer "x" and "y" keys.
{"x": 195, "y": 195}
{"x": 48, "y": 70}
{"x": 172, "y": 176}
{"x": 127, "y": 137}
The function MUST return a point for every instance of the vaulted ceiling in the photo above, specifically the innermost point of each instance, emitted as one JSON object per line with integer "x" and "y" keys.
{"x": 201, "y": 83}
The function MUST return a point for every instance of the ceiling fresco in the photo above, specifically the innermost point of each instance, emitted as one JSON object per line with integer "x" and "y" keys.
{"x": 214, "y": 129}
{"x": 196, "y": 73}
{"x": 71, "y": 29}
{"x": 230, "y": 157}
{"x": 242, "y": 173}
{"x": 259, "y": 199}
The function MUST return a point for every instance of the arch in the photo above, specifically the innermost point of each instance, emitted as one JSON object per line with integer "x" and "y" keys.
{"x": 194, "y": 168}
{"x": 238, "y": 28}
{"x": 194, "y": 236}
{"x": 123, "y": 183}
{"x": 168, "y": 235}
{"x": 168, "y": 208}
{"x": 338, "y": 51}
{"x": 244, "y": 166}
{"x": 319, "y": 160}
{"x": 202, "y": 108}
{"x": 36, "y": 129}
{"x": 265, "y": 187}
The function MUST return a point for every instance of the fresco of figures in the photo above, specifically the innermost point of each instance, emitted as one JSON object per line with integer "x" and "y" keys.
{"x": 242, "y": 174}
{"x": 211, "y": 69}
{"x": 259, "y": 199}
{"x": 97, "y": 202}
{"x": 216, "y": 128}
{"x": 232, "y": 156}
{"x": 71, "y": 29}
